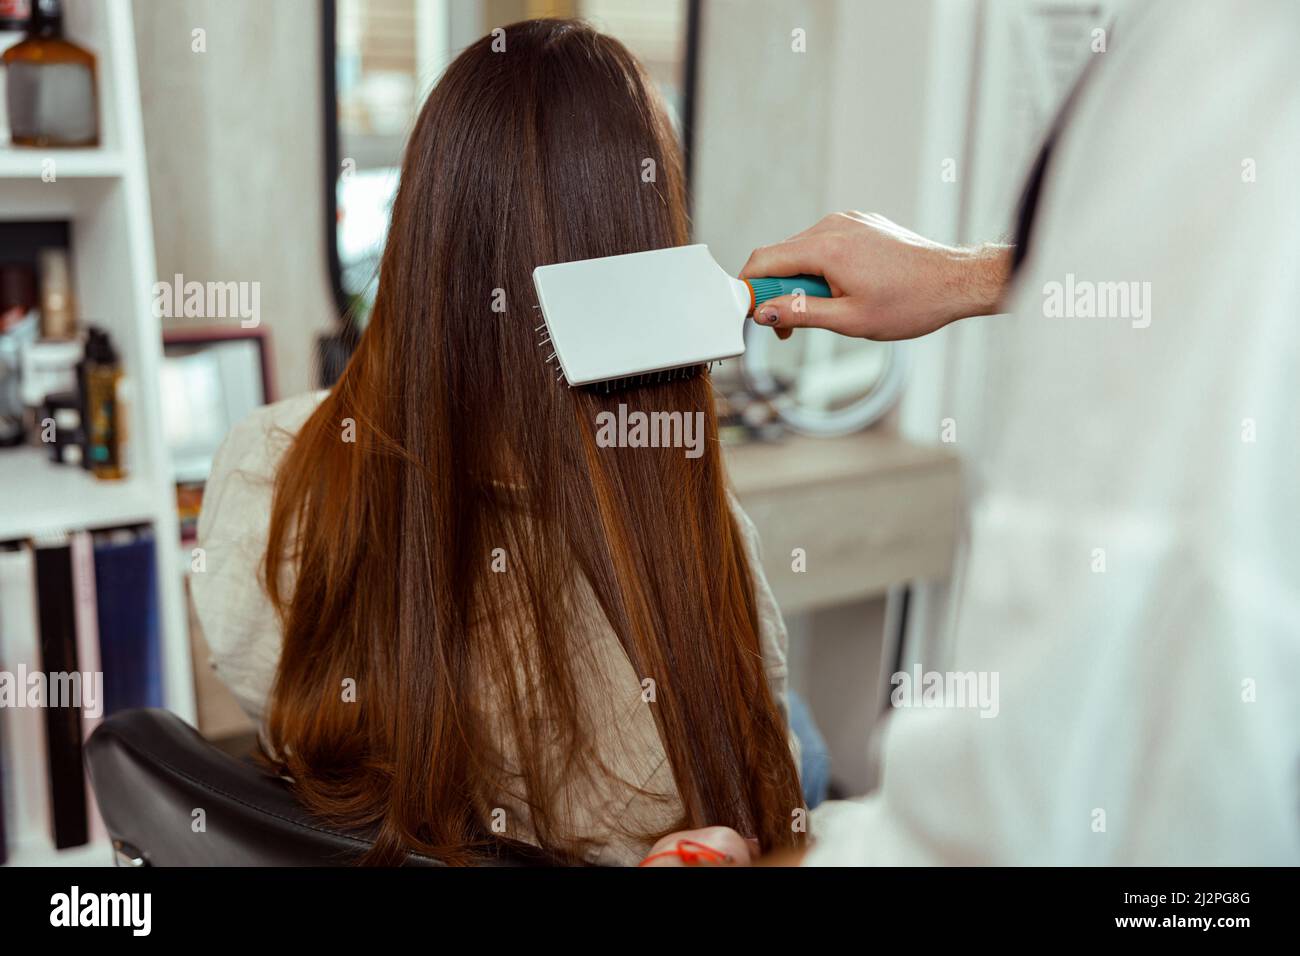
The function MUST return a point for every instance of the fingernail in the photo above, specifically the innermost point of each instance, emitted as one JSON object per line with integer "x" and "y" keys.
{"x": 767, "y": 316}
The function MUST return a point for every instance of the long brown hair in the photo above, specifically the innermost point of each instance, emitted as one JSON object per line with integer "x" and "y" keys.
{"x": 447, "y": 452}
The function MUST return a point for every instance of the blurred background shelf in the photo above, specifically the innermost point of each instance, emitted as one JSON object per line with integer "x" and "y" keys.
{"x": 26, "y": 163}
{"x": 102, "y": 194}
{"x": 90, "y": 854}
{"x": 904, "y": 499}
{"x": 46, "y": 497}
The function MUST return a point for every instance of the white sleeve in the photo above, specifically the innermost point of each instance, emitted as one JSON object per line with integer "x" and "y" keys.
{"x": 239, "y": 623}
{"x": 773, "y": 639}
{"x": 1133, "y": 570}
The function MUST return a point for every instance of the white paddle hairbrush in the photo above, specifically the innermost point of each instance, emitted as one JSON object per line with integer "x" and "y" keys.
{"x": 649, "y": 316}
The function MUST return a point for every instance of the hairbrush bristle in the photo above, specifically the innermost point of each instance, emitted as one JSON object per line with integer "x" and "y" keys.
{"x": 649, "y": 378}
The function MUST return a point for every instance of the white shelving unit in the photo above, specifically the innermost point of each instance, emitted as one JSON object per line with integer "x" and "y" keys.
{"x": 92, "y": 854}
{"x": 104, "y": 193}
{"x": 68, "y": 164}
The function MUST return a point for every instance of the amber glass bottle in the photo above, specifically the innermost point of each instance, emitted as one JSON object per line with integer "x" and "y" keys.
{"x": 104, "y": 418}
{"x": 50, "y": 84}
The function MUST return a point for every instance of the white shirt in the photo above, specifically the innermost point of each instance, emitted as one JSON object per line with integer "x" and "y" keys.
{"x": 1149, "y": 712}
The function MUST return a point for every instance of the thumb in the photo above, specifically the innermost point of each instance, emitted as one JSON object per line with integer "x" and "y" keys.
{"x": 810, "y": 311}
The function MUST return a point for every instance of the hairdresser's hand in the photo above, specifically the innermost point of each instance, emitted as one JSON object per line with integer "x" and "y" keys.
{"x": 710, "y": 846}
{"x": 889, "y": 283}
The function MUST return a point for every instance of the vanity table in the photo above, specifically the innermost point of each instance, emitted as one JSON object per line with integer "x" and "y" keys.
{"x": 871, "y": 510}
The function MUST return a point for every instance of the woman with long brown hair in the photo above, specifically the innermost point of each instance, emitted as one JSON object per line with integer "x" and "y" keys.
{"x": 461, "y": 618}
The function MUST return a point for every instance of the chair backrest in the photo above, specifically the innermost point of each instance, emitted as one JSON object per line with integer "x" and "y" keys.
{"x": 151, "y": 772}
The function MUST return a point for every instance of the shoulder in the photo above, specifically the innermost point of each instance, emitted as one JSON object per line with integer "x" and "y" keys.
{"x": 234, "y": 613}
{"x": 748, "y": 533}
{"x": 248, "y": 458}
{"x": 773, "y": 639}
{"x": 261, "y": 439}
{"x": 771, "y": 625}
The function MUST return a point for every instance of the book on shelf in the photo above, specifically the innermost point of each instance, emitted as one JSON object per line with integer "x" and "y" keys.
{"x": 4, "y": 803}
{"x": 130, "y": 640}
{"x": 82, "y": 554}
{"x": 57, "y": 626}
{"x": 27, "y": 807}
{"x": 80, "y": 630}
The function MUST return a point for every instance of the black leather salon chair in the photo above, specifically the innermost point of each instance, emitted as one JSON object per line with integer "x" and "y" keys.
{"x": 150, "y": 771}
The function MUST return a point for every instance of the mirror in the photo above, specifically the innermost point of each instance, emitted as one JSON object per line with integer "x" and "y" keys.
{"x": 381, "y": 61}
{"x": 820, "y": 383}
{"x": 387, "y": 56}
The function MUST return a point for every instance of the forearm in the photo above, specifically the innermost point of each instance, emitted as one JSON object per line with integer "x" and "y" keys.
{"x": 887, "y": 282}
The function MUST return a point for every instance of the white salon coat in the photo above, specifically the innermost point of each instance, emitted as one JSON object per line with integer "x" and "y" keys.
{"x": 1150, "y": 712}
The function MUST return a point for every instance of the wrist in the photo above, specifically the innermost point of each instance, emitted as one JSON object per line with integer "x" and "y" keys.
{"x": 976, "y": 281}
{"x": 987, "y": 273}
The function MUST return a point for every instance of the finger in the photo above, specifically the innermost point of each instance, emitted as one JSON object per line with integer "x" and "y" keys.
{"x": 806, "y": 255}
{"x": 813, "y": 312}
{"x": 783, "y": 334}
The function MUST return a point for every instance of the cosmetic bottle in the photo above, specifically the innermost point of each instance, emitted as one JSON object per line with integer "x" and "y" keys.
{"x": 15, "y": 15}
{"x": 50, "y": 84}
{"x": 104, "y": 420}
{"x": 19, "y": 322}
{"x": 58, "y": 308}
{"x": 67, "y": 442}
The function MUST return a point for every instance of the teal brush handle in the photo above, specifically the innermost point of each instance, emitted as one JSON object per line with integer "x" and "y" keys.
{"x": 764, "y": 289}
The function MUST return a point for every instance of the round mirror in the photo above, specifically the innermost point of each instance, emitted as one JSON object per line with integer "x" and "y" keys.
{"x": 821, "y": 383}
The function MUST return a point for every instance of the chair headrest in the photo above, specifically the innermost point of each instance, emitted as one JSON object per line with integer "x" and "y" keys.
{"x": 151, "y": 771}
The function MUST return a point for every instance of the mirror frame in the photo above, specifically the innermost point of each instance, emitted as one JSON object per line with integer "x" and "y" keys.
{"x": 854, "y": 417}
{"x": 336, "y": 348}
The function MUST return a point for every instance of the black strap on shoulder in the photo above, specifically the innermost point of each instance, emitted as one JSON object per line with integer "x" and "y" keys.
{"x": 1029, "y": 197}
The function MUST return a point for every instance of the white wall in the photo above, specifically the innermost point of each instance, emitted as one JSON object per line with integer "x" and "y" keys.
{"x": 234, "y": 140}
{"x": 234, "y": 144}
{"x": 784, "y": 137}
{"x": 862, "y": 119}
